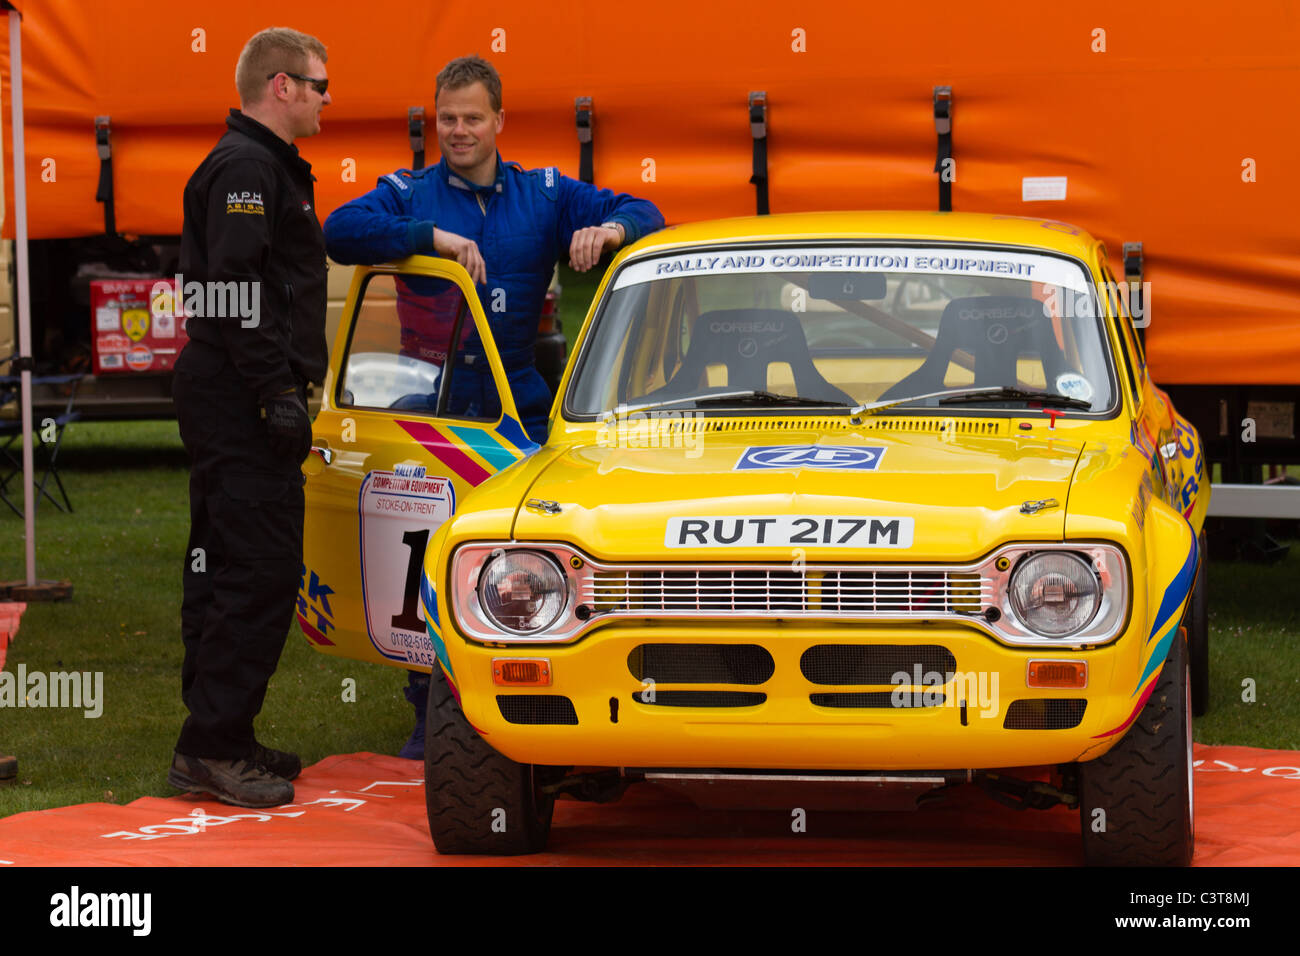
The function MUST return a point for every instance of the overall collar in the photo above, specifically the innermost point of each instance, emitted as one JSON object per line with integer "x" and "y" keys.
{"x": 241, "y": 122}
{"x": 457, "y": 182}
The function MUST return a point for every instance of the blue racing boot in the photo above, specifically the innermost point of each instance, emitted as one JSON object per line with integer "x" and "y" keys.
{"x": 417, "y": 692}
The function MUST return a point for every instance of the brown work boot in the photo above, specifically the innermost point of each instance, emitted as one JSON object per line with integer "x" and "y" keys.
{"x": 279, "y": 762}
{"x": 242, "y": 782}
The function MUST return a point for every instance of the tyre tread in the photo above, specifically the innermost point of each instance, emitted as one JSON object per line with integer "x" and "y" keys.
{"x": 466, "y": 780}
{"x": 1132, "y": 782}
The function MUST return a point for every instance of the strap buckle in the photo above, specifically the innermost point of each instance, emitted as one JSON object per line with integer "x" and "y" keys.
{"x": 1133, "y": 261}
{"x": 943, "y": 109}
{"x": 758, "y": 114}
{"x": 103, "y": 132}
{"x": 583, "y": 116}
{"x": 415, "y": 127}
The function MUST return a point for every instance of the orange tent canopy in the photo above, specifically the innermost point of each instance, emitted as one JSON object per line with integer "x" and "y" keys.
{"x": 1167, "y": 121}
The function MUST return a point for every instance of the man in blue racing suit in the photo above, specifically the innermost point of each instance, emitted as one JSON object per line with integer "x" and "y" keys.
{"x": 505, "y": 225}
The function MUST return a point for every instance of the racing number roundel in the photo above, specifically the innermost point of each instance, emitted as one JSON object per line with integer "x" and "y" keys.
{"x": 399, "y": 510}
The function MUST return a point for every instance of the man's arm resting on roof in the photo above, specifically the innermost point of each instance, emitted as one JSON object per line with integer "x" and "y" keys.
{"x": 583, "y": 205}
{"x": 378, "y": 227}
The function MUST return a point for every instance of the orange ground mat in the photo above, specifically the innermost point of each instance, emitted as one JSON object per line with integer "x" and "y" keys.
{"x": 363, "y": 809}
{"x": 11, "y": 613}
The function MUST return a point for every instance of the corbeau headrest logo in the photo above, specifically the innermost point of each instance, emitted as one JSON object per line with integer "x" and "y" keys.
{"x": 1005, "y": 313}
{"x": 747, "y": 328}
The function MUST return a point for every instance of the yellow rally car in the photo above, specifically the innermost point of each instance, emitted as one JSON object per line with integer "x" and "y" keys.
{"x": 858, "y": 503}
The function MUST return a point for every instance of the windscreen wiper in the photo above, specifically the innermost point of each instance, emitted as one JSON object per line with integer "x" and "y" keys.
{"x": 999, "y": 393}
{"x": 625, "y": 409}
{"x": 769, "y": 398}
{"x": 890, "y": 403}
{"x": 742, "y": 394}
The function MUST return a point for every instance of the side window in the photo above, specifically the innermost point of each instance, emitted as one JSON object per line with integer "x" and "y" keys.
{"x": 1124, "y": 333}
{"x": 1130, "y": 330}
{"x": 414, "y": 347}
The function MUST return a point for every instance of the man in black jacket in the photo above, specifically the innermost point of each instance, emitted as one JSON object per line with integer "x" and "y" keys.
{"x": 253, "y": 268}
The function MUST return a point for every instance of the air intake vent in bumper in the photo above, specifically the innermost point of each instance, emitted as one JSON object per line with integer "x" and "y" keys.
{"x": 1045, "y": 714}
{"x": 699, "y": 698}
{"x": 537, "y": 709}
{"x": 877, "y": 699}
{"x": 874, "y": 663}
{"x": 701, "y": 663}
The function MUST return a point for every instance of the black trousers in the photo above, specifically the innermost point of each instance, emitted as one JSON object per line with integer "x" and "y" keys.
{"x": 243, "y": 562}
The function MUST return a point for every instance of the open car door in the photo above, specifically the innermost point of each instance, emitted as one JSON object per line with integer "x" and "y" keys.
{"x": 416, "y": 413}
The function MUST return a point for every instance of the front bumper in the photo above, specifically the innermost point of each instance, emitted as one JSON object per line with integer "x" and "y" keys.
{"x": 616, "y": 727}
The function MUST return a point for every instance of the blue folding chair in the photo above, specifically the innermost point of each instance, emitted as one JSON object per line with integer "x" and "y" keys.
{"x": 11, "y": 432}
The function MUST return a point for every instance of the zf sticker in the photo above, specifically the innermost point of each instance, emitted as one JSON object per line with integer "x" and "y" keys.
{"x": 779, "y": 531}
{"x": 828, "y": 457}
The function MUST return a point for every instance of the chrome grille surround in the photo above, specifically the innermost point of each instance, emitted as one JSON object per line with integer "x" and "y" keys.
{"x": 601, "y": 592}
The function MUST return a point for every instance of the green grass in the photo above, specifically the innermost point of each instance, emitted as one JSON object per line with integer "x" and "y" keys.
{"x": 122, "y": 551}
{"x": 577, "y": 291}
{"x": 1254, "y": 635}
{"x": 123, "y": 548}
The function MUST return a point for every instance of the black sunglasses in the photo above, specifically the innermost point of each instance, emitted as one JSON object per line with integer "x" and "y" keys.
{"x": 320, "y": 86}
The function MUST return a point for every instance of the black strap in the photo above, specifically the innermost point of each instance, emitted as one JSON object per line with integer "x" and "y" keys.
{"x": 104, "y": 194}
{"x": 582, "y": 118}
{"x": 415, "y": 129}
{"x": 943, "y": 129}
{"x": 758, "y": 129}
{"x": 1134, "y": 263}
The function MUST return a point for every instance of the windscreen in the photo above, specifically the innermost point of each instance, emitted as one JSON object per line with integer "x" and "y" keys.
{"x": 840, "y": 326}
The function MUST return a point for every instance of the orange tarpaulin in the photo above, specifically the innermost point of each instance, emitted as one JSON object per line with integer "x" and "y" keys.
{"x": 368, "y": 810}
{"x": 1168, "y": 121}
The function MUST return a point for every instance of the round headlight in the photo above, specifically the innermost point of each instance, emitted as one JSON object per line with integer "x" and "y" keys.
{"x": 522, "y": 591}
{"x": 1055, "y": 593}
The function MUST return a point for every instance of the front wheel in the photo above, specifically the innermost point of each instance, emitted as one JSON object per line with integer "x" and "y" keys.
{"x": 1136, "y": 801}
{"x": 478, "y": 801}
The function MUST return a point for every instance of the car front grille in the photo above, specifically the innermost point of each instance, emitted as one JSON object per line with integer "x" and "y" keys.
{"x": 841, "y": 592}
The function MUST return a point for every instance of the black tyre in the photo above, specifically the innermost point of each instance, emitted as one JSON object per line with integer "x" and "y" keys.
{"x": 1198, "y": 636}
{"x": 1136, "y": 800}
{"x": 478, "y": 801}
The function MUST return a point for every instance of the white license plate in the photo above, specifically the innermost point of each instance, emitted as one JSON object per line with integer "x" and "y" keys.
{"x": 788, "y": 531}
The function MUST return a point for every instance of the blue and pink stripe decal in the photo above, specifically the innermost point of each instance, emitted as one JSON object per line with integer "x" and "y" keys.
{"x": 1163, "y": 632}
{"x": 498, "y": 447}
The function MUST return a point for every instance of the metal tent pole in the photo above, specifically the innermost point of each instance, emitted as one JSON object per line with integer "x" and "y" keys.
{"x": 32, "y": 590}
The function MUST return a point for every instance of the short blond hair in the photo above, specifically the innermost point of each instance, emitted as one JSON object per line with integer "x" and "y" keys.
{"x": 467, "y": 70}
{"x": 273, "y": 50}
